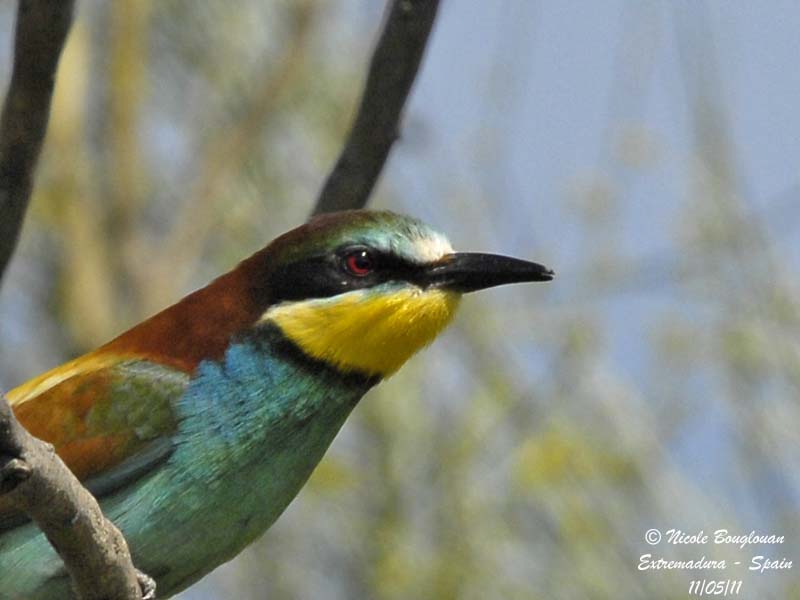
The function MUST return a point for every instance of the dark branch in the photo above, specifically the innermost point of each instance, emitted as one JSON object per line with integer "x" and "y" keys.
{"x": 41, "y": 30}
{"x": 32, "y": 478}
{"x": 391, "y": 74}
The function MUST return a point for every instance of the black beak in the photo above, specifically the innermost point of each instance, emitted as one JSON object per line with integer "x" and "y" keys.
{"x": 470, "y": 271}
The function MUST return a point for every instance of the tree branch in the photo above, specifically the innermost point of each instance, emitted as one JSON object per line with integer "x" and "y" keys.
{"x": 32, "y": 477}
{"x": 41, "y": 30}
{"x": 94, "y": 552}
{"x": 391, "y": 74}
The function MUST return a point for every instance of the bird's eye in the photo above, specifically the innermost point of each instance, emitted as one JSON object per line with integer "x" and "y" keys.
{"x": 359, "y": 263}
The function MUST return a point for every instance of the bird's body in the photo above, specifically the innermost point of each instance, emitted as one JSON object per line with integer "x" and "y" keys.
{"x": 196, "y": 428}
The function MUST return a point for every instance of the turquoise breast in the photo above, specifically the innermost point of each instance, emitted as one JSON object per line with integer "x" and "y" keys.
{"x": 251, "y": 429}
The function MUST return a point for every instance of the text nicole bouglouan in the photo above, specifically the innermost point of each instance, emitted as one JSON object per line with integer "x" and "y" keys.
{"x": 718, "y": 563}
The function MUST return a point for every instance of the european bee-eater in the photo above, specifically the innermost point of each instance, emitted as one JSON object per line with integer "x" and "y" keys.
{"x": 196, "y": 428}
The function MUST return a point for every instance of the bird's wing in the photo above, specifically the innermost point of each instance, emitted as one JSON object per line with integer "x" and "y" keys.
{"x": 109, "y": 419}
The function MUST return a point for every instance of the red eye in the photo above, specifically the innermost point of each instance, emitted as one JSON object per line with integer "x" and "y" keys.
{"x": 359, "y": 263}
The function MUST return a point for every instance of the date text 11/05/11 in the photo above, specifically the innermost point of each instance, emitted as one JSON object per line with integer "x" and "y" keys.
{"x": 714, "y": 587}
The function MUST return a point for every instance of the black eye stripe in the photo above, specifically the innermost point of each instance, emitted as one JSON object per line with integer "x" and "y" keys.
{"x": 323, "y": 276}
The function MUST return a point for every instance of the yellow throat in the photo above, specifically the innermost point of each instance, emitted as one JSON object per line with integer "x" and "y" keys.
{"x": 366, "y": 331}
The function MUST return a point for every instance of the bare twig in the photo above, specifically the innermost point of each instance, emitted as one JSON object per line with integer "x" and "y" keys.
{"x": 41, "y": 30}
{"x": 391, "y": 74}
{"x": 94, "y": 552}
{"x": 32, "y": 477}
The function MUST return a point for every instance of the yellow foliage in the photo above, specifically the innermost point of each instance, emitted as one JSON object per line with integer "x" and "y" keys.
{"x": 562, "y": 454}
{"x": 331, "y": 475}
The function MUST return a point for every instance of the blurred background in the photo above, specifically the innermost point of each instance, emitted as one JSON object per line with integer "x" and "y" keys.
{"x": 648, "y": 151}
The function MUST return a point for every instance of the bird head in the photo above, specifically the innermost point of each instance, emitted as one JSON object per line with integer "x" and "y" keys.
{"x": 365, "y": 290}
{"x": 359, "y": 290}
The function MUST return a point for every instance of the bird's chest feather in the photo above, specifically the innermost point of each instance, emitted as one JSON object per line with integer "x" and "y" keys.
{"x": 251, "y": 430}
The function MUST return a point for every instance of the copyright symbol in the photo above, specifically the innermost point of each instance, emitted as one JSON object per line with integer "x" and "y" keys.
{"x": 652, "y": 537}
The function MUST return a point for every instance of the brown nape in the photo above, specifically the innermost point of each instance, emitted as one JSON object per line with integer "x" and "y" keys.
{"x": 200, "y": 326}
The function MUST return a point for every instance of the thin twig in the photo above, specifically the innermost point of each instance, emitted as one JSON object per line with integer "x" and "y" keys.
{"x": 391, "y": 74}
{"x": 41, "y": 30}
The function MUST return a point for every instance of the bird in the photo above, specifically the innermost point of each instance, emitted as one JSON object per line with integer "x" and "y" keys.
{"x": 197, "y": 427}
